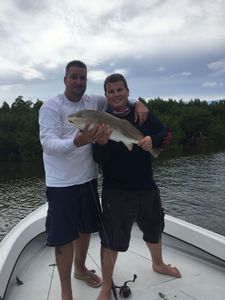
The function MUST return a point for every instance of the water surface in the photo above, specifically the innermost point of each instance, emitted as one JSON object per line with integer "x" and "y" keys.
{"x": 192, "y": 189}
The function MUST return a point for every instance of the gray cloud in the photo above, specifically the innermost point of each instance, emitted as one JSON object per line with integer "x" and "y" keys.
{"x": 30, "y": 6}
{"x": 152, "y": 41}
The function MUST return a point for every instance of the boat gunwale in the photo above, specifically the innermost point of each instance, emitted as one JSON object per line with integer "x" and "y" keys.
{"x": 16, "y": 240}
{"x": 31, "y": 226}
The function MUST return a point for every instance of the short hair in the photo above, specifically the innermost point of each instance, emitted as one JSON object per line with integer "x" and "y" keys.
{"x": 114, "y": 78}
{"x": 75, "y": 63}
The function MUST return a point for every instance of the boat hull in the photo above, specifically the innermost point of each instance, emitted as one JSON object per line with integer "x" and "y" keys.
{"x": 28, "y": 270}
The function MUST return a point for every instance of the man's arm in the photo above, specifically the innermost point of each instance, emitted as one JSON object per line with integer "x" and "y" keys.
{"x": 50, "y": 132}
{"x": 141, "y": 112}
{"x": 100, "y": 149}
{"x": 159, "y": 135}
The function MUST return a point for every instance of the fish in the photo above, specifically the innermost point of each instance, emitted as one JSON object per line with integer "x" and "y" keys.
{"x": 122, "y": 130}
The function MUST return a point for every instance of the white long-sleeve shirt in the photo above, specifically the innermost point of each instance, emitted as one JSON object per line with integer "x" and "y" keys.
{"x": 64, "y": 163}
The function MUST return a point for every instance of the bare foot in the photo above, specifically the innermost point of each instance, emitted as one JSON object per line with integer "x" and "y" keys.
{"x": 105, "y": 294}
{"x": 167, "y": 270}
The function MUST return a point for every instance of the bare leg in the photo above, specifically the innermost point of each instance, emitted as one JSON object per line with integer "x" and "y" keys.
{"x": 108, "y": 260}
{"x": 64, "y": 260}
{"x": 80, "y": 254}
{"x": 80, "y": 249}
{"x": 157, "y": 261}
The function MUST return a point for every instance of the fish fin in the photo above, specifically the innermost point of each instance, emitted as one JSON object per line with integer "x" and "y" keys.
{"x": 155, "y": 152}
{"x": 129, "y": 146}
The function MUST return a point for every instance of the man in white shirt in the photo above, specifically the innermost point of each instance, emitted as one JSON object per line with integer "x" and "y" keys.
{"x": 70, "y": 174}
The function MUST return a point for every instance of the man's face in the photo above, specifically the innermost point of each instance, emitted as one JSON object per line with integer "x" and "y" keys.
{"x": 75, "y": 83}
{"x": 117, "y": 95}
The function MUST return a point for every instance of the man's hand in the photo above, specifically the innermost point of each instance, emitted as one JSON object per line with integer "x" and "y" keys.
{"x": 104, "y": 135}
{"x": 146, "y": 143}
{"x": 141, "y": 112}
{"x": 87, "y": 135}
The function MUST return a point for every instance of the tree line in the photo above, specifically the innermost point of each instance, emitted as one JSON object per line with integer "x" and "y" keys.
{"x": 196, "y": 126}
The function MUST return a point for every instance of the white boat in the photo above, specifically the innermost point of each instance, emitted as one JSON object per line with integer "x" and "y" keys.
{"x": 28, "y": 271}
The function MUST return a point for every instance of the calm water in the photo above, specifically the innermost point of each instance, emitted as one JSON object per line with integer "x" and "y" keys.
{"x": 192, "y": 188}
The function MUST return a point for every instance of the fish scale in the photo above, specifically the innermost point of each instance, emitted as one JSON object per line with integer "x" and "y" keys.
{"x": 122, "y": 130}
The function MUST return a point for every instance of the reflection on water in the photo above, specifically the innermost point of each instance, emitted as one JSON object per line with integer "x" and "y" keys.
{"x": 18, "y": 197}
{"x": 192, "y": 188}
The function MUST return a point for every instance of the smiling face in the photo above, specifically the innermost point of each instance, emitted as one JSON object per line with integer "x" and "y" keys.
{"x": 75, "y": 83}
{"x": 117, "y": 95}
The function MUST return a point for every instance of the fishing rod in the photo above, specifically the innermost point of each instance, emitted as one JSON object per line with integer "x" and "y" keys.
{"x": 124, "y": 290}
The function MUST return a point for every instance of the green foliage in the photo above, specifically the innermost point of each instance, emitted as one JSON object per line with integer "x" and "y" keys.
{"x": 19, "y": 136}
{"x": 196, "y": 124}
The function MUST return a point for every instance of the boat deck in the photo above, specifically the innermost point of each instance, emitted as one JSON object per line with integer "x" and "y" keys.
{"x": 35, "y": 276}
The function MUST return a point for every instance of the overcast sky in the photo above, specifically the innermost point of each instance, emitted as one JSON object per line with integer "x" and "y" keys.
{"x": 165, "y": 48}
